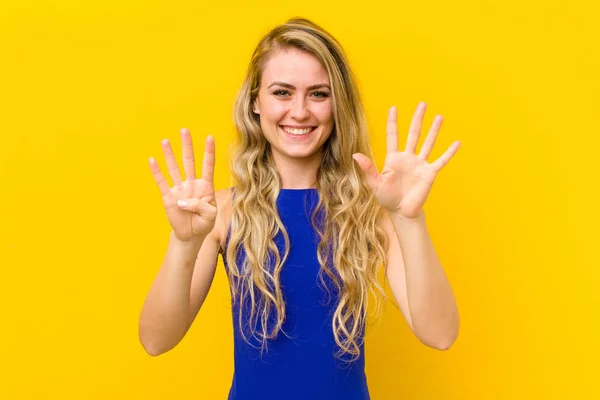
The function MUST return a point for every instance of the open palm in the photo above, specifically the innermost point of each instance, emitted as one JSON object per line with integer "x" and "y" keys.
{"x": 406, "y": 179}
{"x": 194, "y": 218}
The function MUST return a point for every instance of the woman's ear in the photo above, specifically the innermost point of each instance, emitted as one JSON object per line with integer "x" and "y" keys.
{"x": 255, "y": 109}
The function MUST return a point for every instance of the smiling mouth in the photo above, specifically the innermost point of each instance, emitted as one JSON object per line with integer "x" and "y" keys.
{"x": 298, "y": 131}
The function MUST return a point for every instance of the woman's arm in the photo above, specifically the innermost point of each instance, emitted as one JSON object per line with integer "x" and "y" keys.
{"x": 418, "y": 281}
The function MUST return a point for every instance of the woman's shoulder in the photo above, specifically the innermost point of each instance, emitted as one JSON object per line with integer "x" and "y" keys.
{"x": 224, "y": 199}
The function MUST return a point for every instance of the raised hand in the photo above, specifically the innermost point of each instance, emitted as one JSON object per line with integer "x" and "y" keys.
{"x": 406, "y": 179}
{"x": 190, "y": 204}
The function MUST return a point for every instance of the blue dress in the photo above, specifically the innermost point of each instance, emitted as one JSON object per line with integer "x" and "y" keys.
{"x": 300, "y": 364}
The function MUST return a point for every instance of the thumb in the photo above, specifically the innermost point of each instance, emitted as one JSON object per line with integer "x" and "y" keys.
{"x": 198, "y": 206}
{"x": 368, "y": 168}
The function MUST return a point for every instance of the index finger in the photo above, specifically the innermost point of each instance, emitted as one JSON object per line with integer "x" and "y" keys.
{"x": 392, "y": 131}
{"x": 208, "y": 164}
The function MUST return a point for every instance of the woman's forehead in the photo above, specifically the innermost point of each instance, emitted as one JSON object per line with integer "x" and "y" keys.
{"x": 294, "y": 67}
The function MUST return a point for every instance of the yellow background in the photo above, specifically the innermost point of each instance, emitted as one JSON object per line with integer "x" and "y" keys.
{"x": 89, "y": 88}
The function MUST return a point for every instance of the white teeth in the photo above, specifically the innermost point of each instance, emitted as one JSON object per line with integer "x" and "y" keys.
{"x": 297, "y": 131}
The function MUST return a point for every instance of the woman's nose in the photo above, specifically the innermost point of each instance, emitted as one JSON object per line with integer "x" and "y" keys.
{"x": 299, "y": 109}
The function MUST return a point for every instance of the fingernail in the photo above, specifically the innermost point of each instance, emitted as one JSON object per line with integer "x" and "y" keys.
{"x": 181, "y": 203}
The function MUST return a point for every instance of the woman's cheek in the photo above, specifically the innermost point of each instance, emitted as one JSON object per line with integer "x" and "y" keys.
{"x": 279, "y": 109}
{"x": 325, "y": 113}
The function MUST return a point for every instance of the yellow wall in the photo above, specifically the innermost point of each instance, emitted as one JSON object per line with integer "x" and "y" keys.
{"x": 89, "y": 88}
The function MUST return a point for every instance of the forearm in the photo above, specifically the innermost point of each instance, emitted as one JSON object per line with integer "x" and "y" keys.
{"x": 164, "y": 317}
{"x": 431, "y": 302}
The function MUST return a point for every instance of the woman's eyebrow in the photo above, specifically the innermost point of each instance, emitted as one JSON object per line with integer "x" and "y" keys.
{"x": 289, "y": 86}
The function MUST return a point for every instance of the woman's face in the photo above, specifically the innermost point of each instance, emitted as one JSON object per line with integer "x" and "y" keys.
{"x": 294, "y": 103}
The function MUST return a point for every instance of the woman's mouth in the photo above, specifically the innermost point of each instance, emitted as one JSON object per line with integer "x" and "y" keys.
{"x": 297, "y": 132}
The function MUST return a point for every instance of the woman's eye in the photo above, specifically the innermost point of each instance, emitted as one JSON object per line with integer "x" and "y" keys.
{"x": 321, "y": 94}
{"x": 285, "y": 93}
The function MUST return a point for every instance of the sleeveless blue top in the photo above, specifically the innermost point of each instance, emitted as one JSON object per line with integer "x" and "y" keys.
{"x": 300, "y": 363}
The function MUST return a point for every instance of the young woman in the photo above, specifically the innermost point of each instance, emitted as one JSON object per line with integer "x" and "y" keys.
{"x": 304, "y": 230}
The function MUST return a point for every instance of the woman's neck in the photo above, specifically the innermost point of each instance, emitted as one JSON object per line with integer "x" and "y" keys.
{"x": 298, "y": 173}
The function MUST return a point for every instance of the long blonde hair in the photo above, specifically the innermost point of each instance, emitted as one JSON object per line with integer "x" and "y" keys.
{"x": 351, "y": 234}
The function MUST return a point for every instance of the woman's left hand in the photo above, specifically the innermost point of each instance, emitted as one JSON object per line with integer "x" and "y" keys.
{"x": 406, "y": 178}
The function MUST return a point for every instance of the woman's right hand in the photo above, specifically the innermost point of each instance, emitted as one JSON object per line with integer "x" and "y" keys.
{"x": 195, "y": 218}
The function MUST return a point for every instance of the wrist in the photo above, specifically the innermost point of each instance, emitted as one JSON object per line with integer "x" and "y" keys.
{"x": 193, "y": 245}
{"x": 419, "y": 217}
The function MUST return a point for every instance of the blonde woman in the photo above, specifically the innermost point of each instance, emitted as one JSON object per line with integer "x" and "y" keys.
{"x": 304, "y": 230}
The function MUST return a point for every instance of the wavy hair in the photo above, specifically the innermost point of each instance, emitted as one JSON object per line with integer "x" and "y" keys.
{"x": 351, "y": 237}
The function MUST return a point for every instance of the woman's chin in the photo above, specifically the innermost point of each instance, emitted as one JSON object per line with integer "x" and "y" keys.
{"x": 298, "y": 154}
